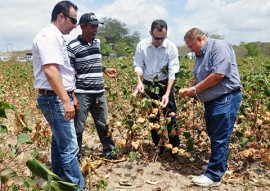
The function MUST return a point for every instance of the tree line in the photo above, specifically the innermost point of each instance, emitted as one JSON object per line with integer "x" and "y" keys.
{"x": 117, "y": 40}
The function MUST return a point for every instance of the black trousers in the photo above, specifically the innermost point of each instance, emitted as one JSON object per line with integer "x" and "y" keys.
{"x": 171, "y": 107}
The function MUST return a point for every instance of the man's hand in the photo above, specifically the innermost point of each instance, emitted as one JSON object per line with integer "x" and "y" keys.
{"x": 69, "y": 110}
{"x": 186, "y": 92}
{"x": 140, "y": 87}
{"x": 110, "y": 72}
{"x": 76, "y": 103}
{"x": 165, "y": 100}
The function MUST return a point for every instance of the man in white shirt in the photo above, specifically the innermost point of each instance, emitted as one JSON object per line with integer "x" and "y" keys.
{"x": 156, "y": 62}
{"x": 55, "y": 81}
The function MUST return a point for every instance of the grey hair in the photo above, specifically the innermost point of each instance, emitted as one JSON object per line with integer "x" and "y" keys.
{"x": 193, "y": 33}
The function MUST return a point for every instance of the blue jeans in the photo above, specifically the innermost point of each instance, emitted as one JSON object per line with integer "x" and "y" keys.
{"x": 96, "y": 104}
{"x": 64, "y": 147}
{"x": 220, "y": 117}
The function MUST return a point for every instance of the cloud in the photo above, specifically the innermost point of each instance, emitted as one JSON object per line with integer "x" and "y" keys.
{"x": 137, "y": 15}
{"x": 237, "y": 20}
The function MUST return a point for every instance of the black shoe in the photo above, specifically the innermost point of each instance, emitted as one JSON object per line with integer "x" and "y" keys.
{"x": 178, "y": 158}
{"x": 161, "y": 150}
{"x": 113, "y": 156}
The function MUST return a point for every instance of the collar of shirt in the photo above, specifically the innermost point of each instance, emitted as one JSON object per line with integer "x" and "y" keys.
{"x": 83, "y": 42}
{"x": 56, "y": 30}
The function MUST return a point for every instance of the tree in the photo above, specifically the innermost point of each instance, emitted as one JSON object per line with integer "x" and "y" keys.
{"x": 215, "y": 36}
{"x": 253, "y": 49}
{"x": 116, "y": 35}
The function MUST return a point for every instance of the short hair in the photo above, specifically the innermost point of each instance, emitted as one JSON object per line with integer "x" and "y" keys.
{"x": 62, "y": 7}
{"x": 193, "y": 33}
{"x": 159, "y": 25}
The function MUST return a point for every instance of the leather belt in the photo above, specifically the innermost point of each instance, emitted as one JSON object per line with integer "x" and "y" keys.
{"x": 50, "y": 92}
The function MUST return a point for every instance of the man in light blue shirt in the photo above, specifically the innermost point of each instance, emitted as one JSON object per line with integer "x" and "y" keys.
{"x": 217, "y": 84}
{"x": 156, "y": 62}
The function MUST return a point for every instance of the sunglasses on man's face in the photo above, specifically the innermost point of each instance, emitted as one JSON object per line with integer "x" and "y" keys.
{"x": 157, "y": 38}
{"x": 73, "y": 20}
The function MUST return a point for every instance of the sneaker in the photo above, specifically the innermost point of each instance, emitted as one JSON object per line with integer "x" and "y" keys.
{"x": 204, "y": 181}
{"x": 204, "y": 168}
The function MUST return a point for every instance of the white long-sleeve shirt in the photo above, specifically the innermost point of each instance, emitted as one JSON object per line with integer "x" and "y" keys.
{"x": 150, "y": 60}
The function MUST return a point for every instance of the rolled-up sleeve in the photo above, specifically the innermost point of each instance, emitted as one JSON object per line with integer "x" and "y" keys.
{"x": 173, "y": 63}
{"x": 138, "y": 60}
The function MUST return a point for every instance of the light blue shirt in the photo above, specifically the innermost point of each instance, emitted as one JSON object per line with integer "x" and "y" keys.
{"x": 150, "y": 60}
{"x": 217, "y": 56}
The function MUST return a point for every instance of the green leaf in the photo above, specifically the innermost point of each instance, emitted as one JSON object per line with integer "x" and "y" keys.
{"x": 2, "y": 91}
{"x": 36, "y": 154}
{"x": 123, "y": 66}
{"x": 243, "y": 142}
{"x": 7, "y": 174}
{"x": 116, "y": 150}
{"x": 155, "y": 79}
{"x": 3, "y": 129}
{"x": 132, "y": 156}
{"x": 27, "y": 129}
{"x": 230, "y": 154}
{"x": 28, "y": 182}
{"x": 192, "y": 159}
{"x": 179, "y": 75}
{"x": 164, "y": 69}
{"x": 3, "y": 113}
{"x": 239, "y": 134}
{"x": 13, "y": 152}
{"x": 24, "y": 138}
{"x": 129, "y": 122}
{"x": 60, "y": 186}
{"x": 156, "y": 90}
{"x": 3, "y": 107}
{"x": 40, "y": 170}
{"x": 190, "y": 144}
{"x": 267, "y": 92}
{"x": 187, "y": 135}
{"x": 13, "y": 188}
{"x": 23, "y": 100}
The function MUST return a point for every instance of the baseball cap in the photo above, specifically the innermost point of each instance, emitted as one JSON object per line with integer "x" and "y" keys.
{"x": 89, "y": 18}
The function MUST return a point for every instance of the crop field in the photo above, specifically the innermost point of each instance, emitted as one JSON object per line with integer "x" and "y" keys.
{"x": 25, "y": 134}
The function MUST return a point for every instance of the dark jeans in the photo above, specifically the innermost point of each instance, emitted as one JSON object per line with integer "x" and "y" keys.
{"x": 220, "y": 116}
{"x": 171, "y": 107}
{"x": 96, "y": 104}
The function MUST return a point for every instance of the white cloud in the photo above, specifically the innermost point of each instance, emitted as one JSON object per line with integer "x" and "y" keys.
{"x": 246, "y": 21}
{"x": 137, "y": 15}
{"x": 237, "y": 20}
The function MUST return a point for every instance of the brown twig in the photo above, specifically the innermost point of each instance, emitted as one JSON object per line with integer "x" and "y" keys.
{"x": 89, "y": 174}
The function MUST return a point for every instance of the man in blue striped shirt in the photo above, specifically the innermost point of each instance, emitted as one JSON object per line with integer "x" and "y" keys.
{"x": 217, "y": 84}
{"x": 85, "y": 56}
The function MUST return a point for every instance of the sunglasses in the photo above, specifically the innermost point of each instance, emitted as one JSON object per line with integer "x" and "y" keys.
{"x": 157, "y": 38}
{"x": 73, "y": 20}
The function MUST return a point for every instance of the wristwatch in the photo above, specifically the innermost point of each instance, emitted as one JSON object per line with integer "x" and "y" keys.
{"x": 193, "y": 89}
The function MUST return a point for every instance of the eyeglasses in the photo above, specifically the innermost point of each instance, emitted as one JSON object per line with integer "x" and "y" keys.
{"x": 157, "y": 38}
{"x": 73, "y": 20}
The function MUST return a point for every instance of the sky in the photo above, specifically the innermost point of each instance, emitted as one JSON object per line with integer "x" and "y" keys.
{"x": 236, "y": 20}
